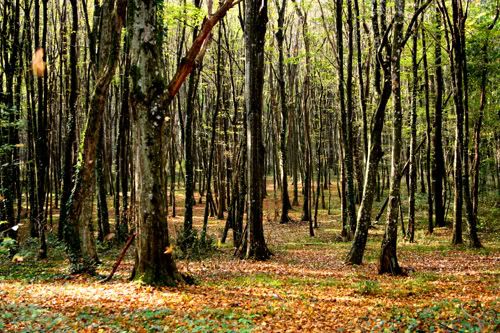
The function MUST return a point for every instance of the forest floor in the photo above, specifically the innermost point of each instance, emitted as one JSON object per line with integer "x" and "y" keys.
{"x": 304, "y": 287}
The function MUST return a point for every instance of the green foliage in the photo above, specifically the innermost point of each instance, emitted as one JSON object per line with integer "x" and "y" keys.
{"x": 39, "y": 319}
{"x": 196, "y": 247}
{"x": 6, "y": 245}
{"x": 173, "y": 14}
{"x": 210, "y": 320}
{"x": 367, "y": 287}
{"x": 31, "y": 270}
{"x": 258, "y": 279}
{"x": 448, "y": 315}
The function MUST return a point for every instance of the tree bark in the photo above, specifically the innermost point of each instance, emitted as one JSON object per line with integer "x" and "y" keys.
{"x": 413, "y": 137}
{"x": 375, "y": 154}
{"x": 78, "y": 233}
{"x": 255, "y": 31}
{"x": 154, "y": 263}
{"x": 428, "y": 134}
{"x": 280, "y": 38}
{"x": 438, "y": 165}
{"x": 388, "y": 258}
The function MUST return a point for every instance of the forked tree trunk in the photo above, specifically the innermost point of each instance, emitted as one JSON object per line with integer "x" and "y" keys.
{"x": 375, "y": 154}
{"x": 388, "y": 258}
{"x": 78, "y": 234}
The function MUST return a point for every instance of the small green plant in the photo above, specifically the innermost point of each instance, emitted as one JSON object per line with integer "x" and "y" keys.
{"x": 6, "y": 245}
{"x": 196, "y": 248}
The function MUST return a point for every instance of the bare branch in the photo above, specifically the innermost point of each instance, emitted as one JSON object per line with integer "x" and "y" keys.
{"x": 413, "y": 21}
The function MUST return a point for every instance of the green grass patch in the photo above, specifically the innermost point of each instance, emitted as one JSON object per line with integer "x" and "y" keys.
{"x": 314, "y": 282}
{"x": 254, "y": 280}
{"x": 367, "y": 287}
{"x": 218, "y": 320}
{"x": 447, "y": 315}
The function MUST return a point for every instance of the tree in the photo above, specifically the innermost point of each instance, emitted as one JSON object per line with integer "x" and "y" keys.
{"x": 255, "y": 32}
{"x": 346, "y": 119}
{"x": 188, "y": 236}
{"x": 150, "y": 98}
{"x": 154, "y": 263}
{"x": 386, "y": 63}
{"x": 413, "y": 136}
{"x": 474, "y": 241}
{"x": 428, "y": 134}
{"x": 70, "y": 138}
{"x": 438, "y": 166}
{"x": 375, "y": 154}
{"x": 280, "y": 38}
{"x": 78, "y": 235}
{"x": 388, "y": 262}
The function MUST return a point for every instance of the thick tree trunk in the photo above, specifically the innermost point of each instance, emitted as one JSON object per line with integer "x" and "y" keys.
{"x": 154, "y": 263}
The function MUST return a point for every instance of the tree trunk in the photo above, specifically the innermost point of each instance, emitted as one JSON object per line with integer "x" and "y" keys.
{"x": 438, "y": 165}
{"x": 413, "y": 137}
{"x": 388, "y": 257}
{"x": 255, "y": 31}
{"x": 375, "y": 154}
{"x": 76, "y": 223}
{"x": 154, "y": 263}
{"x": 428, "y": 133}
{"x": 280, "y": 38}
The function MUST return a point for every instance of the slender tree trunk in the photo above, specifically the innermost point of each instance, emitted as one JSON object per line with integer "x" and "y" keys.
{"x": 78, "y": 234}
{"x": 280, "y": 38}
{"x": 375, "y": 154}
{"x": 413, "y": 137}
{"x": 349, "y": 140}
{"x": 388, "y": 257}
{"x": 476, "y": 164}
{"x": 456, "y": 61}
{"x": 438, "y": 165}
{"x": 188, "y": 236}
{"x": 255, "y": 31}
{"x": 428, "y": 133}
{"x": 102, "y": 204}
{"x": 70, "y": 138}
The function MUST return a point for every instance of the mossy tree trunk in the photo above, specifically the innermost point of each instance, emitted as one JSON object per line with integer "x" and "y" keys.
{"x": 154, "y": 262}
{"x": 78, "y": 225}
